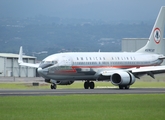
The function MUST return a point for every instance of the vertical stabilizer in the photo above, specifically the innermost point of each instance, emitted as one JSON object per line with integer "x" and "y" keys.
{"x": 155, "y": 42}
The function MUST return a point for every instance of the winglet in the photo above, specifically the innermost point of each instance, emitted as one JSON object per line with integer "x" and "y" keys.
{"x": 20, "y": 60}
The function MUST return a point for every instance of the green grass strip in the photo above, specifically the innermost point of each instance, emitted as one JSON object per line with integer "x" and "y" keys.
{"x": 83, "y": 107}
{"x": 140, "y": 84}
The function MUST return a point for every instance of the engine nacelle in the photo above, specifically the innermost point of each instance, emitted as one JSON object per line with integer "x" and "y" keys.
{"x": 122, "y": 78}
{"x": 64, "y": 82}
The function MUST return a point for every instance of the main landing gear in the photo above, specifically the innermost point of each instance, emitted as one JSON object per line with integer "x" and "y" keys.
{"x": 124, "y": 87}
{"x": 53, "y": 86}
{"x": 88, "y": 84}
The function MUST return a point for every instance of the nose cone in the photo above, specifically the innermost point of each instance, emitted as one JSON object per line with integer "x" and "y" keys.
{"x": 39, "y": 70}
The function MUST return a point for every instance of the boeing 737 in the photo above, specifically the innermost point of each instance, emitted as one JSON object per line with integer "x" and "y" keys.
{"x": 121, "y": 68}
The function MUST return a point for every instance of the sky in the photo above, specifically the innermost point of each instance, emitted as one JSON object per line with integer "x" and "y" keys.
{"x": 83, "y": 9}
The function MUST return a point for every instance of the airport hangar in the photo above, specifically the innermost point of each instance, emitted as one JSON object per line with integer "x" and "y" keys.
{"x": 9, "y": 66}
{"x": 133, "y": 44}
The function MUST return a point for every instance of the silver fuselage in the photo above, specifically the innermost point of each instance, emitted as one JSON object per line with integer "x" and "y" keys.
{"x": 88, "y": 66}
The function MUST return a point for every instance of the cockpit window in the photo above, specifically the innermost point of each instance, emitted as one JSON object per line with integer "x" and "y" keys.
{"x": 45, "y": 64}
{"x": 54, "y": 62}
{"x": 49, "y": 62}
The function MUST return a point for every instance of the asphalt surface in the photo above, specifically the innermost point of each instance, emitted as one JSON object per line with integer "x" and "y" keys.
{"x": 82, "y": 91}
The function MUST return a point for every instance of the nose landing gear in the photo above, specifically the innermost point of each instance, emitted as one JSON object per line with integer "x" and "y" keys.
{"x": 53, "y": 86}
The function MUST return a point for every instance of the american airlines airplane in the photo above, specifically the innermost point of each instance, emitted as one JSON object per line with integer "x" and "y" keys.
{"x": 121, "y": 68}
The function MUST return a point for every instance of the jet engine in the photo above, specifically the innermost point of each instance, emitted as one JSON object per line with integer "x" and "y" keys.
{"x": 122, "y": 78}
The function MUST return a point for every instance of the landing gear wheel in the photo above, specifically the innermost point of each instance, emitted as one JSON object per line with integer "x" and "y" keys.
{"x": 53, "y": 86}
{"x": 124, "y": 87}
{"x": 92, "y": 85}
{"x": 86, "y": 85}
{"x": 121, "y": 87}
{"x": 127, "y": 87}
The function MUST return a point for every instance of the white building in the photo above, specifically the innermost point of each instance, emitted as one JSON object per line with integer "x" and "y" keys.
{"x": 9, "y": 66}
{"x": 133, "y": 44}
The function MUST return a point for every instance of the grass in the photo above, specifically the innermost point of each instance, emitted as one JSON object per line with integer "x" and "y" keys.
{"x": 80, "y": 107}
{"x": 76, "y": 85}
{"x": 14, "y": 85}
{"x": 83, "y": 107}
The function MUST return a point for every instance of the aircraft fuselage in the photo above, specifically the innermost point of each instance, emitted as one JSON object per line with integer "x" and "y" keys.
{"x": 87, "y": 66}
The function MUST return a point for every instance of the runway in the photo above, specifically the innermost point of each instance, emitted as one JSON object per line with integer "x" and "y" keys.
{"x": 81, "y": 91}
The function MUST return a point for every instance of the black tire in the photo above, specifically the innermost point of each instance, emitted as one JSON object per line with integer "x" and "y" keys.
{"x": 92, "y": 85}
{"x": 53, "y": 86}
{"x": 127, "y": 87}
{"x": 86, "y": 85}
{"x": 121, "y": 87}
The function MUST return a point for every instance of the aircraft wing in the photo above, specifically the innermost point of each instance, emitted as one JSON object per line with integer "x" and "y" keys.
{"x": 20, "y": 60}
{"x": 29, "y": 65}
{"x": 150, "y": 70}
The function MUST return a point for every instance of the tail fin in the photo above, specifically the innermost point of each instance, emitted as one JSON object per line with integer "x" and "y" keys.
{"x": 155, "y": 43}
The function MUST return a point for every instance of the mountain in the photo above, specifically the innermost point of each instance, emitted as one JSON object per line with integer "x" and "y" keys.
{"x": 53, "y": 34}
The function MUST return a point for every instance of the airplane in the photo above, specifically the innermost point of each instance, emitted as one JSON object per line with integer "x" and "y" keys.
{"x": 121, "y": 68}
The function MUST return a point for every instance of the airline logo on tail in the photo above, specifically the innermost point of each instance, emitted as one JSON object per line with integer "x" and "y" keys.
{"x": 157, "y": 35}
